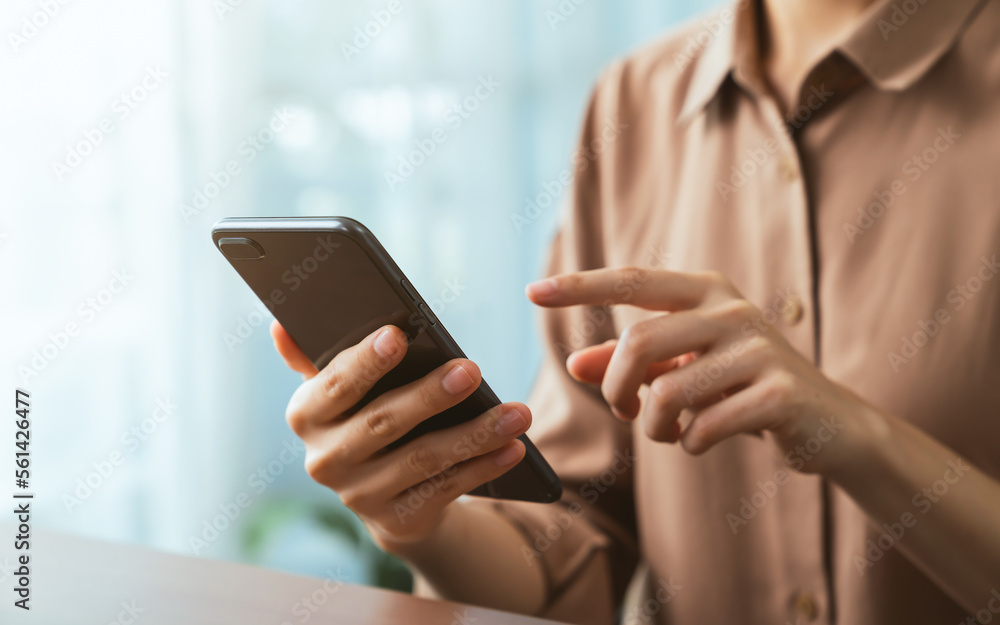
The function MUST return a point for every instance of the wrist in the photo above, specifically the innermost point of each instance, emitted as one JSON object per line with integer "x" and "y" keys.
{"x": 414, "y": 549}
{"x": 865, "y": 440}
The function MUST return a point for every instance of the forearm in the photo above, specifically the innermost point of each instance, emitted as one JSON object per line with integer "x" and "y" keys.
{"x": 475, "y": 556}
{"x": 946, "y": 510}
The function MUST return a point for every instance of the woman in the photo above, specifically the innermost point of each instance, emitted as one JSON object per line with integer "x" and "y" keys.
{"x": 771, "y": 331}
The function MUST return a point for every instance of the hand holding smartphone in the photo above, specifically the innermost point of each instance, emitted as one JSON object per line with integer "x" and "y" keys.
{"x": 395, "y": 417}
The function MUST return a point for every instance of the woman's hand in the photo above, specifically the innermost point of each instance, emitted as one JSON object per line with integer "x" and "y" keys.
{"x": 403, "y": 493}
{"x": 711, "y": 355}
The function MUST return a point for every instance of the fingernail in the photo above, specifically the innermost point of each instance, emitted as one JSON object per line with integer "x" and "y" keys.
{"x": 542, "y": 288}
{"x": 457, "y": 380}
{"x": 508, "y": 456}
{"x": 511, "y": 422}
{"x": 385, "y": 345}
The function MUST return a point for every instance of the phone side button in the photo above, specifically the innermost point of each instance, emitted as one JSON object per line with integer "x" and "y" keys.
{"x": 409, "y": 289}
{"x": 426, "y": 312}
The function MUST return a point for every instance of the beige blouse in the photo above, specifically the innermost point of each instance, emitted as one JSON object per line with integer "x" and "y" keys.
{"x": 865, "y": 226}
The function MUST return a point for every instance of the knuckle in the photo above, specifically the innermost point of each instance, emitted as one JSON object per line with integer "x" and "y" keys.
{"x": 379, "y": 421}
{"x": 781, "y": 389}
{"x": 337, "y": 454}
{"x": 332, "y": 381}
{"x": 484, "y": 434}
{"x": 735, "y": 310}
{"x": 664, "y": 391}
{"x": 296, "y": 418}
{"x": 452, "y": 486}
{"x": 759, "y": 347}
{"x": 316, "y": 466}
{"x": 570, "y": 282}
{"x": 487, "y": 422}
{"x": 364, "y": 374}
{"x": 428, "y": 397}
{"x": 633, "y": 274}
{"x": 635, "y": 338}
{"x": 297, "y": 413}
{"x": 353, "y": 498}
{"x": 322, "y": 465}
{"x": 422, "y": 461}
{"x": 668, "y": 396}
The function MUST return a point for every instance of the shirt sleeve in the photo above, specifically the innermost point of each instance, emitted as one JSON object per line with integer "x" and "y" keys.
{"x": 585, "y": 544}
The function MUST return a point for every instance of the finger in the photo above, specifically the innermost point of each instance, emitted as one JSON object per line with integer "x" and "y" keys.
{"x": 434, "y": 494}
{"x": 752, "y": 409}
{"x": 655, "y": 289}
{"x": 289, "y": 350}
{"x": 590, "y": 364}
{"x": 391, "y": 415}
{"x": 702, "y": 382}
{"x": 345, "y": 380}
{"x": 384, "y": 477}
{"x": 653, "y": 340}
{"x": 437, "y": 452}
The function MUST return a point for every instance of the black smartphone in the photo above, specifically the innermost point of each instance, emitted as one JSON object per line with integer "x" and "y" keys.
{"x": 330, "y": 283}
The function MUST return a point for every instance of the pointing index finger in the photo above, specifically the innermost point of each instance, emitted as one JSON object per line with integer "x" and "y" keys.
{"x": 654, "y": 289}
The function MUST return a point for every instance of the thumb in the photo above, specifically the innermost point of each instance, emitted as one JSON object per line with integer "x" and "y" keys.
{"x": 591, "y": 363}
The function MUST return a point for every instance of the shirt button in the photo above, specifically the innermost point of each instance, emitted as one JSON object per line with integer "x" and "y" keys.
{"x": 793, "y": 311}
{"x": 789, "y": 170}
{"x": 805, "y": 605}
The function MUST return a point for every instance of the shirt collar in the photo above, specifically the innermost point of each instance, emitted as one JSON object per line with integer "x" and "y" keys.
{"x": 891, "y": 47}
{"x": 898, "y": 42}
{"x": 718, "y": 57}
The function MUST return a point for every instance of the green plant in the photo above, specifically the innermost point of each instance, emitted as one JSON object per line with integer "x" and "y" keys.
{"x": 272, "y": 515}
